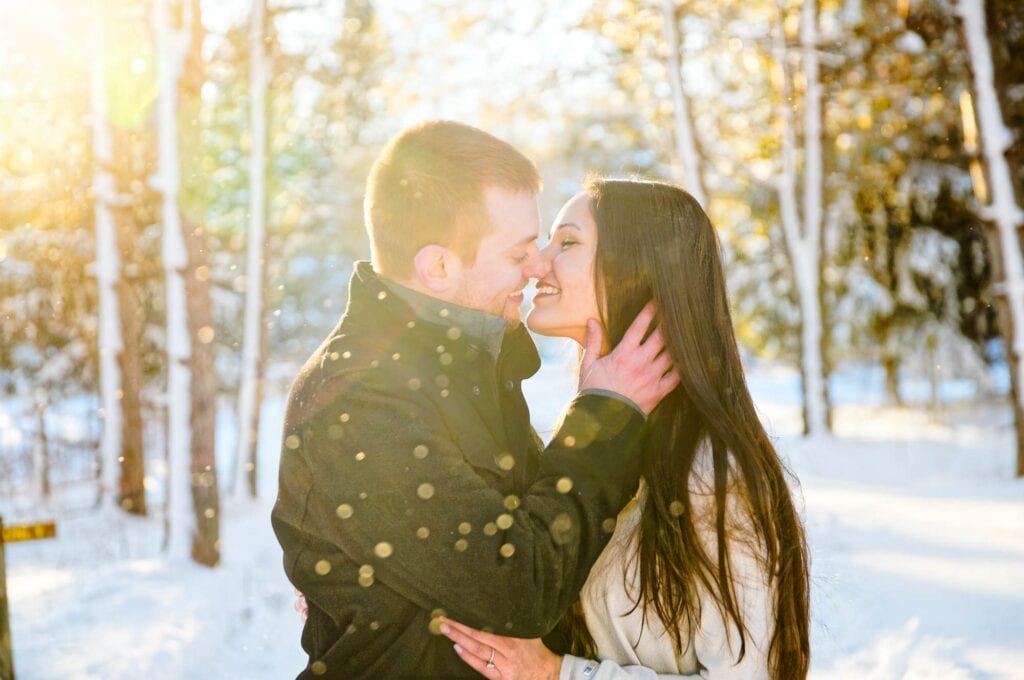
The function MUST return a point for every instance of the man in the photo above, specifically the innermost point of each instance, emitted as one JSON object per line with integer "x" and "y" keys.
{"x": 411, "y": 484}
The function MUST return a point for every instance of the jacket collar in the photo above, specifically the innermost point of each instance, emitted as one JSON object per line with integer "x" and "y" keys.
{"x": 487, "y": 329}
{"x": 372, "y": 302}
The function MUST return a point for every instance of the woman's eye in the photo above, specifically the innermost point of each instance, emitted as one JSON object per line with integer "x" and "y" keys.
{"x": 520, "y": 259}
{"x": 568, "y": 243}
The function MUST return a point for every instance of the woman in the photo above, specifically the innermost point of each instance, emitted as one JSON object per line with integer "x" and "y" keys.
{"x": 706, "y": 572}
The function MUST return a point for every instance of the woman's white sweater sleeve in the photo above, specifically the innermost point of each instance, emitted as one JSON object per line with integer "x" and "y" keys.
{"x": 575, "y": 668}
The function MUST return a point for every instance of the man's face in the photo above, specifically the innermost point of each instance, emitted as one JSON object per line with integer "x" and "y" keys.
{"x": 507, "y": 257}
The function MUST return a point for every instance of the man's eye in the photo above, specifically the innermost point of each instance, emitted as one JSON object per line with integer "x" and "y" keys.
{"x": 520, "y": 259}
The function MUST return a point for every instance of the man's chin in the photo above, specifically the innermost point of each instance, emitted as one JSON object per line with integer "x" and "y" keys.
{"x": 513, "y": 315}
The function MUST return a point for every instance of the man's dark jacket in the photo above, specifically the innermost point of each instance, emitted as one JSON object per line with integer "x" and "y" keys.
{"x": 412, "y": 485}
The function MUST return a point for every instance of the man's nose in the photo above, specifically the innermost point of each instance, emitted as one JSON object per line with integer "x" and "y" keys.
{"x": 537, "y": 266}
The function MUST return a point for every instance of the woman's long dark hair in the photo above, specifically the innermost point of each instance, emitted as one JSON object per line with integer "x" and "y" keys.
{"x": 655, "y": 241}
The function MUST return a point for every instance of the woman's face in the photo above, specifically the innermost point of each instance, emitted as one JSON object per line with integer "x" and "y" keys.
{"x": 566, "y": 297}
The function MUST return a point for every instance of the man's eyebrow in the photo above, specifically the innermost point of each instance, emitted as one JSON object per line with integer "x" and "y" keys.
{"x": 524, "y": 242}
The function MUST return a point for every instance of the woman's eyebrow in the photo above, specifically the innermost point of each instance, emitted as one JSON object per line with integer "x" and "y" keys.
{"x": 562, "y": 226}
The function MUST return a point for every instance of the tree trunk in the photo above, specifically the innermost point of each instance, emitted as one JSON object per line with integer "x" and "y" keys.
{"x": 687, "y": 156}
{"x": 253, "y": 476}
{"x": 803, "y": 236}
{"x": 986, "y": 131}
{"x": 122, "y": 455}
{"x": 6, "y": 651}
{"x": 932, "y": 345}
{"x": 41, "y": 459}
{"x": 203, "y": 425}
{"x": 131, "y": 490}
{"x": 199, "y": 306}
{"x": 818, "y": 409}
{"x": 108, "y": 267}
{"x": 250, "y": 391}
{"x": 171, "y": 46}
{"x": 891, "y": 363}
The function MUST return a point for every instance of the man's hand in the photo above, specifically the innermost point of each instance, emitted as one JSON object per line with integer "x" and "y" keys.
{"x": 638, "y": 370}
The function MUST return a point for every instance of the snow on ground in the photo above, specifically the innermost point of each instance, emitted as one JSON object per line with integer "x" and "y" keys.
{"x": 917, "y": 538}
{"x": 915, "y": 522}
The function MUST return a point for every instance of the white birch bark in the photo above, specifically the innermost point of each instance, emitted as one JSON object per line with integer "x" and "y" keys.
{"x": 687, "y": 157}
{"x": 108, "y": 268}
{"x": 172, "y": 44}
{"x": 803, "y": 233}
{"x": 248, "y": 409}
{"x": 814, "y": 367}
{"x": 996, "y": 138}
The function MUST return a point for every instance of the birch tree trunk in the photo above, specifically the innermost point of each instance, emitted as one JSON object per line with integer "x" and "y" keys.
{"x": 108, "y": 267}
{"x": 816, "y": 408}
{"x": 803, "y": 234}
{"x": 123, "y": 468}
{"x": 250, "y": 391}
{"x": 687, "y": 156}
{"x": 985, "y": 127}
{"x": 172, "y": 44}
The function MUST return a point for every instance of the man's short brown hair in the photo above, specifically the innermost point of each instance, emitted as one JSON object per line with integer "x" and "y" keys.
{"x": 427, "y": 186}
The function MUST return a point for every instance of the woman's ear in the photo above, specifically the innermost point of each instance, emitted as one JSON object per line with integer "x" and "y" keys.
{"x": 437, "y": 268}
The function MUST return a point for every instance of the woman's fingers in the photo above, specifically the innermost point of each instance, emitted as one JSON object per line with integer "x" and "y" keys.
{"x": 477, "y": 664}
{"x": 490, "y": 639}
{"x": 470, "y": 643}
{"x": 513, "y": 658}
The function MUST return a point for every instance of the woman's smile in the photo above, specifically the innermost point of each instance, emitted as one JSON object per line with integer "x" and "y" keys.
{"x": 545, "y": 290}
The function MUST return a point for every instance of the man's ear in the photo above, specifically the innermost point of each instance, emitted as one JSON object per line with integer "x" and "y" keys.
{"x": 437, "y": 268}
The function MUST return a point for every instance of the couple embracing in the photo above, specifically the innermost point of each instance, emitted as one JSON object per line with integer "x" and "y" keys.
{"x": 434, "y": 535}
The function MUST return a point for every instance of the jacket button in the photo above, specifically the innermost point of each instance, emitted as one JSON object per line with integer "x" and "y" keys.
{"x": 476, "y": 390}
{"x": 509, "y": 385}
